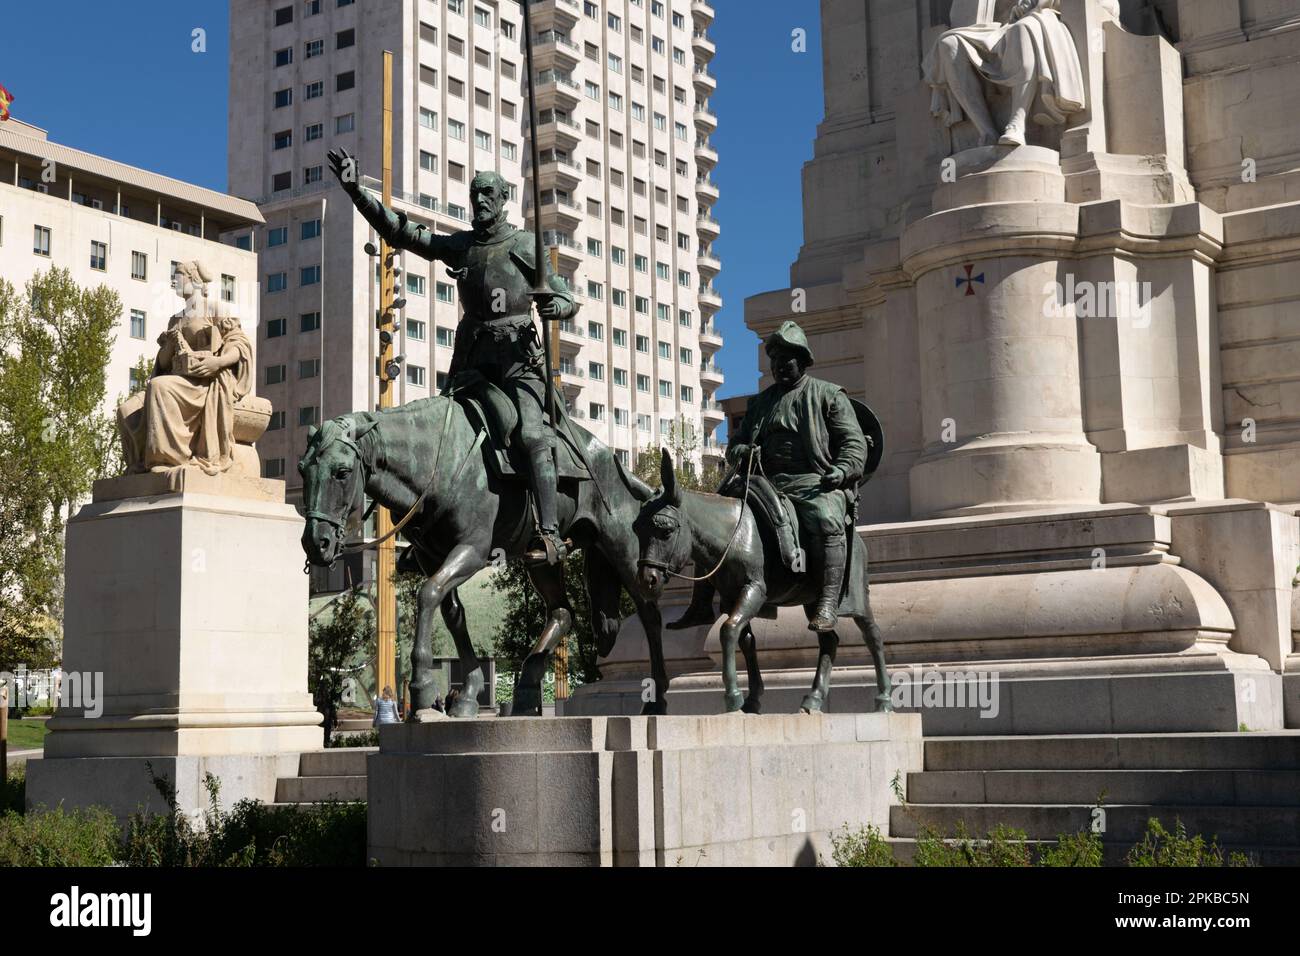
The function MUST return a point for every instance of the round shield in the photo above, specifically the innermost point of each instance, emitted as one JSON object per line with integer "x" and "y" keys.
{"x": 875, "y": 438}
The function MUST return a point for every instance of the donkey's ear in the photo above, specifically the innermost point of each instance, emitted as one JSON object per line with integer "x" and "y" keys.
{"x": 668, "y": 478}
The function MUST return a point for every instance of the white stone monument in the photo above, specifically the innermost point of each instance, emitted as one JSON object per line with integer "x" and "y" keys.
{"x": 1079, "y": 339}
{"x": 184, "y": 589}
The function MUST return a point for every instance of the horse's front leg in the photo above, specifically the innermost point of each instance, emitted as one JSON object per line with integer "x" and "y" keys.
{"x": 462, "y": 563}
{"x": 549, "y": 582}
{"x": 749, "y": 647}
{"x": 748, "y": 603}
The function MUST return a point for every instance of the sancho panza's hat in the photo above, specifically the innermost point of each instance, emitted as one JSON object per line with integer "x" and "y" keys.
{"x": 791, "y": 336}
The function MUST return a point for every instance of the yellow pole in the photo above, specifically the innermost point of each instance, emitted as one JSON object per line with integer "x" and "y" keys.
{"x": 386, "y": 559}
{"x": 561, "y": 649}
{"x": 4, "y": 733}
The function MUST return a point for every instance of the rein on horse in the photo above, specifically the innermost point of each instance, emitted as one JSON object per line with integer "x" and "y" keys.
{"x": 744, "y": 503}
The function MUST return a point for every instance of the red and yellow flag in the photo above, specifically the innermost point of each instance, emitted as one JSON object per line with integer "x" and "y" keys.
{"x": 5, "y": 99}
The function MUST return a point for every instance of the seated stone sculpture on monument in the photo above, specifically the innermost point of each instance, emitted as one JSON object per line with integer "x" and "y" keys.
{"x": 1031, "y": 54}
{"x": 186, "y": 414}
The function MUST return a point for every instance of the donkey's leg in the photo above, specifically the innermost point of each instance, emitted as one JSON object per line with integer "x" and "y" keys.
{"x": 748, "y": 603}
{"x": 815, "y": 700}
{"x": 876, "y": 642}
{"x": 460, "y": 565}
{"x": 749, "y": 647}
{"x": 654, "y": 698}
{"x": 549, "y": 581}
{"x": 453, "y": 615}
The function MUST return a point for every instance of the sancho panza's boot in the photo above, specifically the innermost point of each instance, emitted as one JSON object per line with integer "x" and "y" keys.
{"x": 548, "y": 548}
{"x": 832, "y": 581}
{"x": 700, "y": 612}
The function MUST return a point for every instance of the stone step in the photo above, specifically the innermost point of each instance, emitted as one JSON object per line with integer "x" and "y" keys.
{"x": 1124, "y": 823}
{"x": 1273, "y": 750}
{"x": 336, "y": 762}
{"x": 1115, "y": 854}
{"x": 318, "y": 789}
{"x": 1263, "y": 788}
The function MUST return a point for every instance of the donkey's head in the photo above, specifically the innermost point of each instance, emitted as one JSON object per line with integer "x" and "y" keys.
{"x": 662, "y": 532}
{"x": 333, "y": 485}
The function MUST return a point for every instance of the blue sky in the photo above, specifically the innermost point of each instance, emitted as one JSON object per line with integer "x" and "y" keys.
{"x": 85, "y": 86}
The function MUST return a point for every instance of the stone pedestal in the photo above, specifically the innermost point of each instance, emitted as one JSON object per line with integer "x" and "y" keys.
{"x": 193, "y": 608}
{"x": 735, "y": 790}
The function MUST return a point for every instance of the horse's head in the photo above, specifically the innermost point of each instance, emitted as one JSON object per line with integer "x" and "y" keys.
{"x": 662, "y": 533}
{"x": 333, "y": 484}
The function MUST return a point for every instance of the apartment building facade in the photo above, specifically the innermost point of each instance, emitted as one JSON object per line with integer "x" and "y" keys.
{"x": 622, "y": 91}
{"x": 116, "y": 225}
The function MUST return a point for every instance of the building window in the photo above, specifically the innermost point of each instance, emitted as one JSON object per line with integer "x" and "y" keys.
{"x": 309, "y": 415}
{"x": 275, "y": 374}
{"x": 313, "y": 174}
{"x": 273, "y": 468}
{"x": 315, "y": 89}
{"x": 684, "y": 318}
{"x": 276, "y": 423}
{"x": 309, "y": 275}
{"x": 276, "y": 328}
{"x": 643, "y": 383}
{"x": 244, "y": 242}
{"x": 445, "y": 292}
{"x": 428, "y": 32}
{"x": 284, "y": 57}
{"x": 596, "y": 371}
{"x": 685, "y": 356}
{"x": 620, "y": 338}
{"x": 345, "y": 123}
{"x": 446, "y": 337}
{"x": 314, "y": 49}
{"x": 283, "y": 15}
{"x": 596, "y": 412}
{"x": 139, "y": 266}
{"x": 688, "y": 395}
{"x": 455, "y": 129}
{"x": 313, "y": 7}
{"x": 314, "y": 131}
{"x": 666, "y": 350}
{"x": 665, "y": 388}
{"x": 415, "y": 285}
{"x": 428, "y": 118}
{"x": 415, "y": 375}
{"x": 98, "y": 255}
{"x": 283, "y": 98}
{"x": 428, "y": 161}
{"x": 483, "y": 140}
{"x": 509, "y": 151}
{"x": 308, "y": 368}
{"x": 344, "y": 39}
{"x": 277, "y": 282}
{"x": 281, "y": 182}
{"x": 309, "y": 321}
{"x": 428, "y": 75}
{"x": 310, "y": 229}
{"x": 282, "y": 139}
{"x": 277, "y": 236}
{"x": 41, "y": 241}
{"x": 227, "y": 288}
{"x": 137, "y": 324}
{"x": 482, "y": 17}
{"x": 416, "y": 330}
{"x": 345, "y": 81}
{"x": 620, "y": 377}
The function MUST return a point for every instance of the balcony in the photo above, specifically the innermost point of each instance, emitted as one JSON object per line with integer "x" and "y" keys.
{"x": 572, "y": 378}
{"x": 707, "y": 226}
{"x": 710, "y": 337}
{"x": 706, "y": 157}
{"x": 572, "y": 338}
{"x": 558, "y": 14}
{"x": 558, "y": 171}
{"x": 557, "y": 88}
{"x": 704, "y": 47}
{"x": 552, "y": 48}
{"x": 709, "y": 298}
{"x": 558, "y": 210}
{"x": 708, "y": 264}
{"x": 702, "y": 12}
{"x": 710, "y": 374}
{"x": 705, "y": 120}
{"x": 565, "y": 247}
{"x": 711, "y": 411}
{"x": 704, "y": 80}
{"x": 706, "y": 190}
{"x": 558, "y": 131}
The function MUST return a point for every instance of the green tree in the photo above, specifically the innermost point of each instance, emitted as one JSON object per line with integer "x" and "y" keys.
{"x": 334, "y": 641}
{"x": 55, "y": 440}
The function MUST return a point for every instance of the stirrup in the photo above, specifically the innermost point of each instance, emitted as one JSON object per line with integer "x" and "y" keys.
{"x": 553, "y": 550}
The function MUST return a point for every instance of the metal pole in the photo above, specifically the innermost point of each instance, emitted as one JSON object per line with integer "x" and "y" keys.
{"x": 4, "y": 733}
{"x": 540, "y": 286}
{"x": 386, "y": 558}
{"x": 562, "y": 648}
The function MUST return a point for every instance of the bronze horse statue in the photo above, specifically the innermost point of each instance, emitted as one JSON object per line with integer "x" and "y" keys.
{"x": 677, "y": 527}
{"x": 468, "y": 517}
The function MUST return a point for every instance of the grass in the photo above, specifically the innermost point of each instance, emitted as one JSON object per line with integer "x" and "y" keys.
{"x": 26, "y": 735}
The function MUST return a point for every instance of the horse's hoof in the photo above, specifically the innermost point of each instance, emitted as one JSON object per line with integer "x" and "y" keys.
{"x": 811, "y": 704}
{"x": 752, "y": 706}
{"x": 654, "y": 708}
{"x": 464, "y": 708}
{"x": 884, "y": 704}
{"x": 733, "y": 703}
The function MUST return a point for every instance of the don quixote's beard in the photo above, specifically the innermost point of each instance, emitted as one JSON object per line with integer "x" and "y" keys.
{"x": 486, "y": 219}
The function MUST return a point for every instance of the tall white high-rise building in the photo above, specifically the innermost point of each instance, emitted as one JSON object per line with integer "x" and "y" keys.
{"x": 622, "y": 91}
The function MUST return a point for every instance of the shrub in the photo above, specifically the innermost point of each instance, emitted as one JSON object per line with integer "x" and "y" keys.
{"x": 1159, "y": 847}
{"x": 865, "y": 846}
{"x": 1002, "y": 846}
{"x": 59, "y": 838}
{"x": 1073, "y": 849}
{"x": 13, "y": 789}
{"x": 369, "y": 738}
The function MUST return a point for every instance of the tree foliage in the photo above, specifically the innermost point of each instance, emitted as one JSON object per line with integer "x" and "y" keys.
{"x": 55, "y": 440}
{"x": 333, "y": 643}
